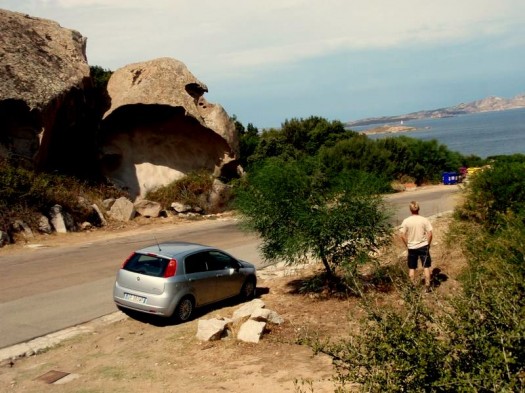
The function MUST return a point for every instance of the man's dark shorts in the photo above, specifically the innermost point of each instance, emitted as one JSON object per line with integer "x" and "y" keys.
{"x": 422, "y": 254}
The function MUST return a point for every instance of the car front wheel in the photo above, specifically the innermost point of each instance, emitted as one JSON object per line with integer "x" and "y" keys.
{"x": 184, "y": 310}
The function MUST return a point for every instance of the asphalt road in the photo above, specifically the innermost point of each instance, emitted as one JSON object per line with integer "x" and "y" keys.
{"x": 46, "y": 290}
{"x": 432, "y": 201}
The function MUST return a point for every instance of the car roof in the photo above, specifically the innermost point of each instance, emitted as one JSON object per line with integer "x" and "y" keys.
{"x": 173, "y": 249}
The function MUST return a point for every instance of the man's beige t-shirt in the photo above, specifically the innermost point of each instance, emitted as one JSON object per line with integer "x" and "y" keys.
{"x": 416, "y": 229}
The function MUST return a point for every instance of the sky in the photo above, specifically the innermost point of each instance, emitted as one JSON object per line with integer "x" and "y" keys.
{"x": 273, "y": 60}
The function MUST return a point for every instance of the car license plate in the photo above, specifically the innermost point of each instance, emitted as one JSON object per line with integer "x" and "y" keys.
{"x": 134, "y": 298}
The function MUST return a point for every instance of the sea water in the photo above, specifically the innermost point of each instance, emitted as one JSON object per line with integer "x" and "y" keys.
{"x": 482, "y": 134}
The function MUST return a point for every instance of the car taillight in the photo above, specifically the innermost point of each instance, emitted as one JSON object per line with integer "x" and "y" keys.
{"x": 171, "y": 268}
{"x": 127, "y": 260}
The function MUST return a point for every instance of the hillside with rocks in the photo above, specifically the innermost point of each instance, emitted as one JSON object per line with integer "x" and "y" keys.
{"x": 488, "y": 104}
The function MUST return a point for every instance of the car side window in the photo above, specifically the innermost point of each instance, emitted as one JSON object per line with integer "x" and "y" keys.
{"x": 219, "y": 261}
{"x": 195, "y": 263}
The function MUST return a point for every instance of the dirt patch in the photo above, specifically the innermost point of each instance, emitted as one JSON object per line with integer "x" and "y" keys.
{"x": 135, "y": 355}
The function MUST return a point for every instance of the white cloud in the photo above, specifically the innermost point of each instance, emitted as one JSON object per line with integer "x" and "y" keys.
{"x": 269, "y": 59}
{"x": 240, "y": 35}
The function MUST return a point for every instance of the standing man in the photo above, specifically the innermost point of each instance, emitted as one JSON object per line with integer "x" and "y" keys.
{"x": 416, "y": 233}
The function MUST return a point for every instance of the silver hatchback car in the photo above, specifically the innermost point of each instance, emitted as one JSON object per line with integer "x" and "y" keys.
{"x": 172, "y": 279}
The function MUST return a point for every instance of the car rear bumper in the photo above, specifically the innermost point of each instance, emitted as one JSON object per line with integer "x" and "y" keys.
{"x": 152, "y": 304}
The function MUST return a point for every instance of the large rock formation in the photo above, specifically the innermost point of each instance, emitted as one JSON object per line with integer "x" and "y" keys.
{"x": 159, "y": 127}
{"x": 43, "y": 71}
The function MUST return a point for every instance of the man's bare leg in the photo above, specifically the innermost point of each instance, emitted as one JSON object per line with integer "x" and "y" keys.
{"x": 427, "y": 278}
{"x": 412, "y": 275}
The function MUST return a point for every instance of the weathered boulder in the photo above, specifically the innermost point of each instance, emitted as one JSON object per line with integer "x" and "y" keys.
{"x": 159, "y": 128}
{"x": 43, "y": 225}
{"x": 57, "y": 219}
{"x": 21, "y": 227}
{"x": 86, "y": 226}
{"x": 251, "y": 331}
{"x": 266, "y": 315}
{"x": 247, "y": 309}
{"x": 220, "y": 195}
{"x": 43, "y": 73}
{"x": 148, "y": 208}
{"x": 4, "y": 238}
{"x": 213, "y": 329}
{"x": 122, "y": 210}
{"x": 181, "y": 207}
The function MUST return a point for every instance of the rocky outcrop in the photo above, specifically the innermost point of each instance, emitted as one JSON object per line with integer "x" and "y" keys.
{"x": 43, "y": 73}
{"x": 388, "y": 130}
{"x": 160, "y": 127}
{"x": 153, "y": 127}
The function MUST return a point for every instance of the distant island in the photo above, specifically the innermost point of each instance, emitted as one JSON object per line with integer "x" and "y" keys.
{"x": 394, "y": 124}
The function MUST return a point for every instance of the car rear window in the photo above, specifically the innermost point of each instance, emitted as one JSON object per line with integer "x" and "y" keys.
{"x": 150, "y": 265}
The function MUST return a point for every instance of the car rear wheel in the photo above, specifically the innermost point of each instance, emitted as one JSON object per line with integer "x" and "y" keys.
{"x": 248, "y": 289}
{"x": 184, "y": 309}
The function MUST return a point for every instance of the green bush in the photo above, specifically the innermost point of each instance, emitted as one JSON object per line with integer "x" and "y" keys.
{"x": 396, "y": 351}
{"x": 495, "y": 192}
{"x": 24, "y": 194}
{"x": 472, "y": 342}
{"x": 193, "y": 189}
{"x": 487, "y": 332}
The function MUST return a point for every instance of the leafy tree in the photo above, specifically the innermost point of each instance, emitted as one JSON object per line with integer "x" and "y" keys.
{"x": 300, "y": 213}
{"x": 495, "y": 191}
{"x": 357, "y": 153}
{"x": 98, "y": 95}
{"x": 272, "y": 144}
{"x": 100, "y": 76}
{"x": 248, "y": 140}
{"x": 299, "y": 137}
{"x": 309, "y": 135}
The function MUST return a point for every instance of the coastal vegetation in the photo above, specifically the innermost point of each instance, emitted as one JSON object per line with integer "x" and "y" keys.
{"x": 310, "y": 192}
{"x": 338, "y": 149}
{"x": 474, "y": 341}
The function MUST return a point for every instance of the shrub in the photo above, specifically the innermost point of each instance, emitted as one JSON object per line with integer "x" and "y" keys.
{"x": 25, "y": 194}
{"x": 396, "y": 351}
{"x": 193, "y": 189}
{"x": 495, "y": 192}
{"x": 473, "y": 342}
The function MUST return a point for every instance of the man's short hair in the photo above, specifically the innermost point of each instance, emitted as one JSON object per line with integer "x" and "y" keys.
{"x": 414, "y": 206}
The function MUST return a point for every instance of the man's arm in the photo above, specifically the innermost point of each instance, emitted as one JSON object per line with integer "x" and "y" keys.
{"x": 403, "y": 236}
{"x": 429, "y": 238}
